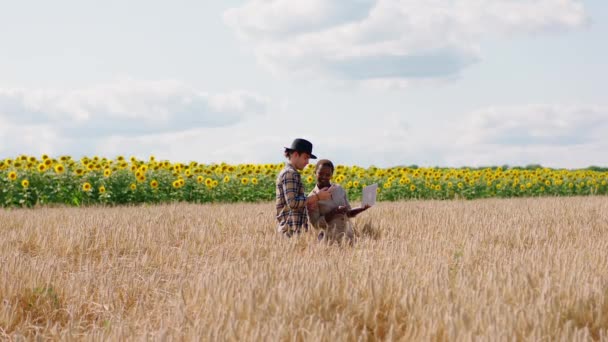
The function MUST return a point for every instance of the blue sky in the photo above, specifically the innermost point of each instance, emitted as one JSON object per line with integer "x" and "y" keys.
{"x": 369, "y": 82}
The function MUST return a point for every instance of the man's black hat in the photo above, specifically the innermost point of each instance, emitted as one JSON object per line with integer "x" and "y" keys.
{"x": 301, "y": 145}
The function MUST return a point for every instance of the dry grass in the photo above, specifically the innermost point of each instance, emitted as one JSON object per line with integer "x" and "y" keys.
{"x": 525, "y": 269}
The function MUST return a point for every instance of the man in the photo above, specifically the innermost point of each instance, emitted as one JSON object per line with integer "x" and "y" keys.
{"x": 291, "y": 201}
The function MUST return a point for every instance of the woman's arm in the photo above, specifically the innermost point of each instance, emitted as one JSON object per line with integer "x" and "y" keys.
{"x": 315, "y": 218}
{"x": 356, "y": 211}
{"x": 291, "y": 182}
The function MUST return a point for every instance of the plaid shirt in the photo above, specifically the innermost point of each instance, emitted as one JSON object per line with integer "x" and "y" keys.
{"x": 291, "y": 201}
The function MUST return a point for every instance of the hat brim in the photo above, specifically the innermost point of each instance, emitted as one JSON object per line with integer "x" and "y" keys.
{"x": 312, "y": 156}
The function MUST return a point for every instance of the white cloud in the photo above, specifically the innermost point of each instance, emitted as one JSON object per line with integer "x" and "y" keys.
{"x": 547, "y": 134}
{"x": 561, "y": 136}
{"x": 388, "y": 39}
{"x": 537, "y": 125}
{"x": 204, "y": 145}
{"x": 284, "y": 18}
{"x": 551, "y": 135}
{"x": 126, "y": 108}
{"x": 86, "y": 121}
{"x": 33, "y": 139}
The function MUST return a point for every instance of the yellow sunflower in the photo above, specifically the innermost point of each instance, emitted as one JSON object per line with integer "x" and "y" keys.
{"x": 59, "y": 169}
{"x": 154, "y": 184}
{"x": 25, "y": 183}
{"x": 86, "y": 186}
{"x": 12, "y": 175}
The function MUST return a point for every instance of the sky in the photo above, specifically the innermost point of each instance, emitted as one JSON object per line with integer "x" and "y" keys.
{"x": 447, "y": 83}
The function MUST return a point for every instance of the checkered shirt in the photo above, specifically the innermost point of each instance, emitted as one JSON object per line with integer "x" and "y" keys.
{"x": 290, "y": 201}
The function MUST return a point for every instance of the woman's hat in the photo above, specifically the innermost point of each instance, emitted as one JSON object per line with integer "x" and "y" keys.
{"x": 301, "y": 145}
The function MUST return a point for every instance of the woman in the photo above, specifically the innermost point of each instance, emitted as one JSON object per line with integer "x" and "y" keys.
{"x": 331, "y": 216}
{"x": 290, "y": 200}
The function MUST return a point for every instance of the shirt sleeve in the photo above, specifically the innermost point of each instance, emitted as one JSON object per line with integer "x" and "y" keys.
{"x": 341, "y": 194}
{"x": 314, "y": 216}
{"x": 291, "y": 182}
{"x": 316, "y": 219}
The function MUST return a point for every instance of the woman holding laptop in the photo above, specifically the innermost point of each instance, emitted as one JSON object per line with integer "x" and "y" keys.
{"x": 331, "y": 216}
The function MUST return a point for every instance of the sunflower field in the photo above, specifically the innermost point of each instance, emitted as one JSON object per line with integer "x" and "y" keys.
{"x": 27, "y": 181}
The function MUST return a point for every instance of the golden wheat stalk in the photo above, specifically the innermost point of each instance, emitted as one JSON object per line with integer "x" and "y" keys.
{"x": 435, "y": 270}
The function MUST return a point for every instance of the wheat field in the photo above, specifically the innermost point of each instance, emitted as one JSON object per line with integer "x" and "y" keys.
{"x": 496, "y": 269}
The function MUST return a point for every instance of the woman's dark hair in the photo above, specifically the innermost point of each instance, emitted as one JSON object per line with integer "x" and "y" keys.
{"x": 324, "y": 162}
{"x": 288, "y": 153}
